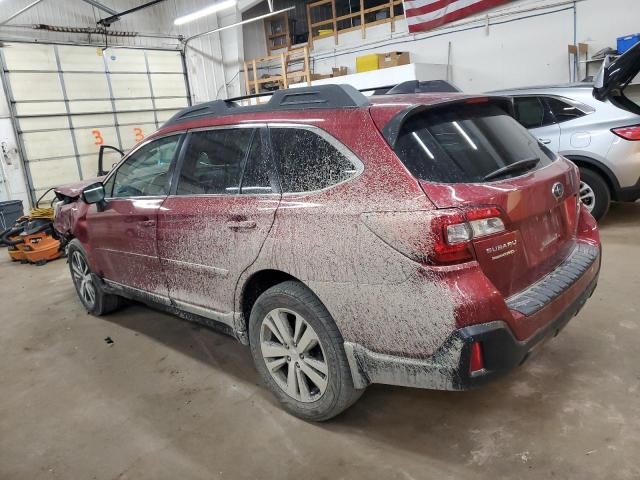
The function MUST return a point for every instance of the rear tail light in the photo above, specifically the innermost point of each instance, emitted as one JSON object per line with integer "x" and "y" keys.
{"x": 437, "y": 237}
{"x": 476, "y": 359}
{"x": 628, "y": 133}
{"x": 455, "y": 230}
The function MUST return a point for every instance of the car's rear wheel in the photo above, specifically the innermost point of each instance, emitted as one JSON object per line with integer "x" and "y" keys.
{"x": 594, "y": 193}
{"x": 88, "y": 284}
{"x": 299, "y": 352}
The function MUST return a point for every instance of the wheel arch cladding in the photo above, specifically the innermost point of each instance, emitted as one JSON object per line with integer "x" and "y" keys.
{"x": 598, "y": 167}
{"x": 256, "y": 285}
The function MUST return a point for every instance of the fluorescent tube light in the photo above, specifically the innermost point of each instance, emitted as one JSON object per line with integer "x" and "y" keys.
{"x": 216, "y": 7}
{"x": 243, "y": 22}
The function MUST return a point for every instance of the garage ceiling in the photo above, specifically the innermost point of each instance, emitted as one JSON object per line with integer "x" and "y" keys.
{"x": 68, "y": 100}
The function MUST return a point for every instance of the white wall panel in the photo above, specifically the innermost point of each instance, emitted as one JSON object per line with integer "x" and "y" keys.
{"x": 46, "y": 108}
{"x": 164, "y": 61}
{"x": 88, "y": 140}
{"x": 134, "y": 104}
{"x": 90, "y": 106}
{"x": 35, "y": 86}
{"x": 124, "y": 60}
{"x": 86, "y": 85}
{"x": 85, "y": 59}
{"x": 92, "y": 121}
{"x": 131, "y": 135}
{"x": 136, "y": 118}
{"x": 125, "y": 85}
{"x": 48, "y": 173}
{"x": 40, "y": 145}
{"x": 30, "y": 57}
{"x": 171, "y": 103}
{"x": 42, "y": 123}
{"x": 168, "y": 85}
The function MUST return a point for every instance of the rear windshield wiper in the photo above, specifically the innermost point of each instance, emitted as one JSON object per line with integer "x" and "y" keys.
{"x": 520, "y": 165}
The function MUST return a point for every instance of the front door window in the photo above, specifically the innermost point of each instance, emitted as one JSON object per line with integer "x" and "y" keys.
{"x": 146, "y": 172}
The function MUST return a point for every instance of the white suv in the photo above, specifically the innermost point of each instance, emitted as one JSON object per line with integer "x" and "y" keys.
{"x": 600, "y": 135}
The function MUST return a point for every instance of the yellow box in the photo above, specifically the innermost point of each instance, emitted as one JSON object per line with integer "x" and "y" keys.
{"x": 325, "y": 32}
{"x": 365, "y": 63}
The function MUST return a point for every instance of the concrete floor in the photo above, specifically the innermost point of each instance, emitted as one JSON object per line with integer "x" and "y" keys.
{"x": 171, "y": 400}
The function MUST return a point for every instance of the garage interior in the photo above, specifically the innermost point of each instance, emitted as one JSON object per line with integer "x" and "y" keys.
{"x": 143, "y": 394}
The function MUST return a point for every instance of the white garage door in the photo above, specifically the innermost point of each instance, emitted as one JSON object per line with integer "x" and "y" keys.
{"x": 69, "y": 100}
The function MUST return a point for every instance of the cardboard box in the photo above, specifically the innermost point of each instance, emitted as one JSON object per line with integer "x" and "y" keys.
{"x": 375, "y": 61}
{"x": 338, "y": 71}
{"x": 393, "y": 59}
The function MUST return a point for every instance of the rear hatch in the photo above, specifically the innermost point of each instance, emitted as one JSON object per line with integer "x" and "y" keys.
{"x": 472, "y": 157}
{"x": 618, "y": 81}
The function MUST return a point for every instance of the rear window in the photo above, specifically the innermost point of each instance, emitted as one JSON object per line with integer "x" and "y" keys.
{"x": 466, "y": 143}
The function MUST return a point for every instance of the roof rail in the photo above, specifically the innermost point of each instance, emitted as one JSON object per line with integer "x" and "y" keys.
{"x": 303, "y": 98}
{"x": 427, "y": 86}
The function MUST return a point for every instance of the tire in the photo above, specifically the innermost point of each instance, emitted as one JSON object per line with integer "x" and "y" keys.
{"x": 594, "y": 193}
{"x": 317, "y": 341}
{"x": 88, "y": 285}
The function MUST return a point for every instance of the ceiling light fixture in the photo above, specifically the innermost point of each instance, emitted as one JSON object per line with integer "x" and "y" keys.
{"x": 216, "y": 7}
{"x": 243, "y": 22}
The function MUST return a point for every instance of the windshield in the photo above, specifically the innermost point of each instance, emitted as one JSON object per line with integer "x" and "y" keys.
{"x": 468, "y": 143}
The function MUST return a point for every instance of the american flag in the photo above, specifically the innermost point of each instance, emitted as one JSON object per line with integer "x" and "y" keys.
{"x": 428, "y": 14}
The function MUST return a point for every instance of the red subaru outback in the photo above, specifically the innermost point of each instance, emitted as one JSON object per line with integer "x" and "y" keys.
{"x": 419, "y": 240}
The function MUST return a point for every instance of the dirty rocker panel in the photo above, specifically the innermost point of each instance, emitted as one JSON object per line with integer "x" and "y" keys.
{"x": 216, "y": 320}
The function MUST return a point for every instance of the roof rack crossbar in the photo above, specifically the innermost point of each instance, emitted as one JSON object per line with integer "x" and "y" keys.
{"x": 321, "y": 96}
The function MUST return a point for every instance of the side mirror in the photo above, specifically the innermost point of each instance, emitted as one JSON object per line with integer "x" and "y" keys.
{"x": 94, "y": 193}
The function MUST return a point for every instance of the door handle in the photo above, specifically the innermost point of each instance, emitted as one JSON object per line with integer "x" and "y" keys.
{"x": 148, "y": 223}
{"x": 241, "y": 225}
{"x": 545, "y": 141}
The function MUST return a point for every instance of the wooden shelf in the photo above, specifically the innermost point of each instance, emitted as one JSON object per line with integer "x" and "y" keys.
{"x": 277, "y": 27}
{"x": 362, "y": 14}
{"x": 253, "y": 82}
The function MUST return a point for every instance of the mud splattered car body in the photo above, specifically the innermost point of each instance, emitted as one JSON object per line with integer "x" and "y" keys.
{"x": 368, "y": 236}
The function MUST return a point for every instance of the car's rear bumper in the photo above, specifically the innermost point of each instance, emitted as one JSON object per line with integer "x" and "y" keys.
{"x": 448, "y": 367}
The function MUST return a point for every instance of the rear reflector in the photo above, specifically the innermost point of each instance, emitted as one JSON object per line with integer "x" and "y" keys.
{"x": 476, "y": 361}
{"x": 628, "y": 133}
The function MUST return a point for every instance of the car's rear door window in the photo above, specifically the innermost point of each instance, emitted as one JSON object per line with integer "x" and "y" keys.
{"x": 531, "y": 112}
{"x": 307, "y": 161}
{"x": 213, "y": 161}
{"x": 563, "y": 111}
{"x": 466, "y": 143}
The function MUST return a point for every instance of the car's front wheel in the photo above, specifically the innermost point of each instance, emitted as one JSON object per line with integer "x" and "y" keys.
{"x": 299, "y": 353}
{"x": 88, "y": 284}
{"x": 594, "y": 193}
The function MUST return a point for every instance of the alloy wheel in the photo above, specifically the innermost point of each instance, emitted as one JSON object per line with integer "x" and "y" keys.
{"x": 587, "y": 196}
{"x": 82, "y": 279}
{"x": 293, "y": 355}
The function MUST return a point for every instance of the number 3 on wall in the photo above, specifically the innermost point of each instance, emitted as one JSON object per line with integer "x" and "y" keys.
{"x": 98, "y": 137}
{"x": 139, "y": 135}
